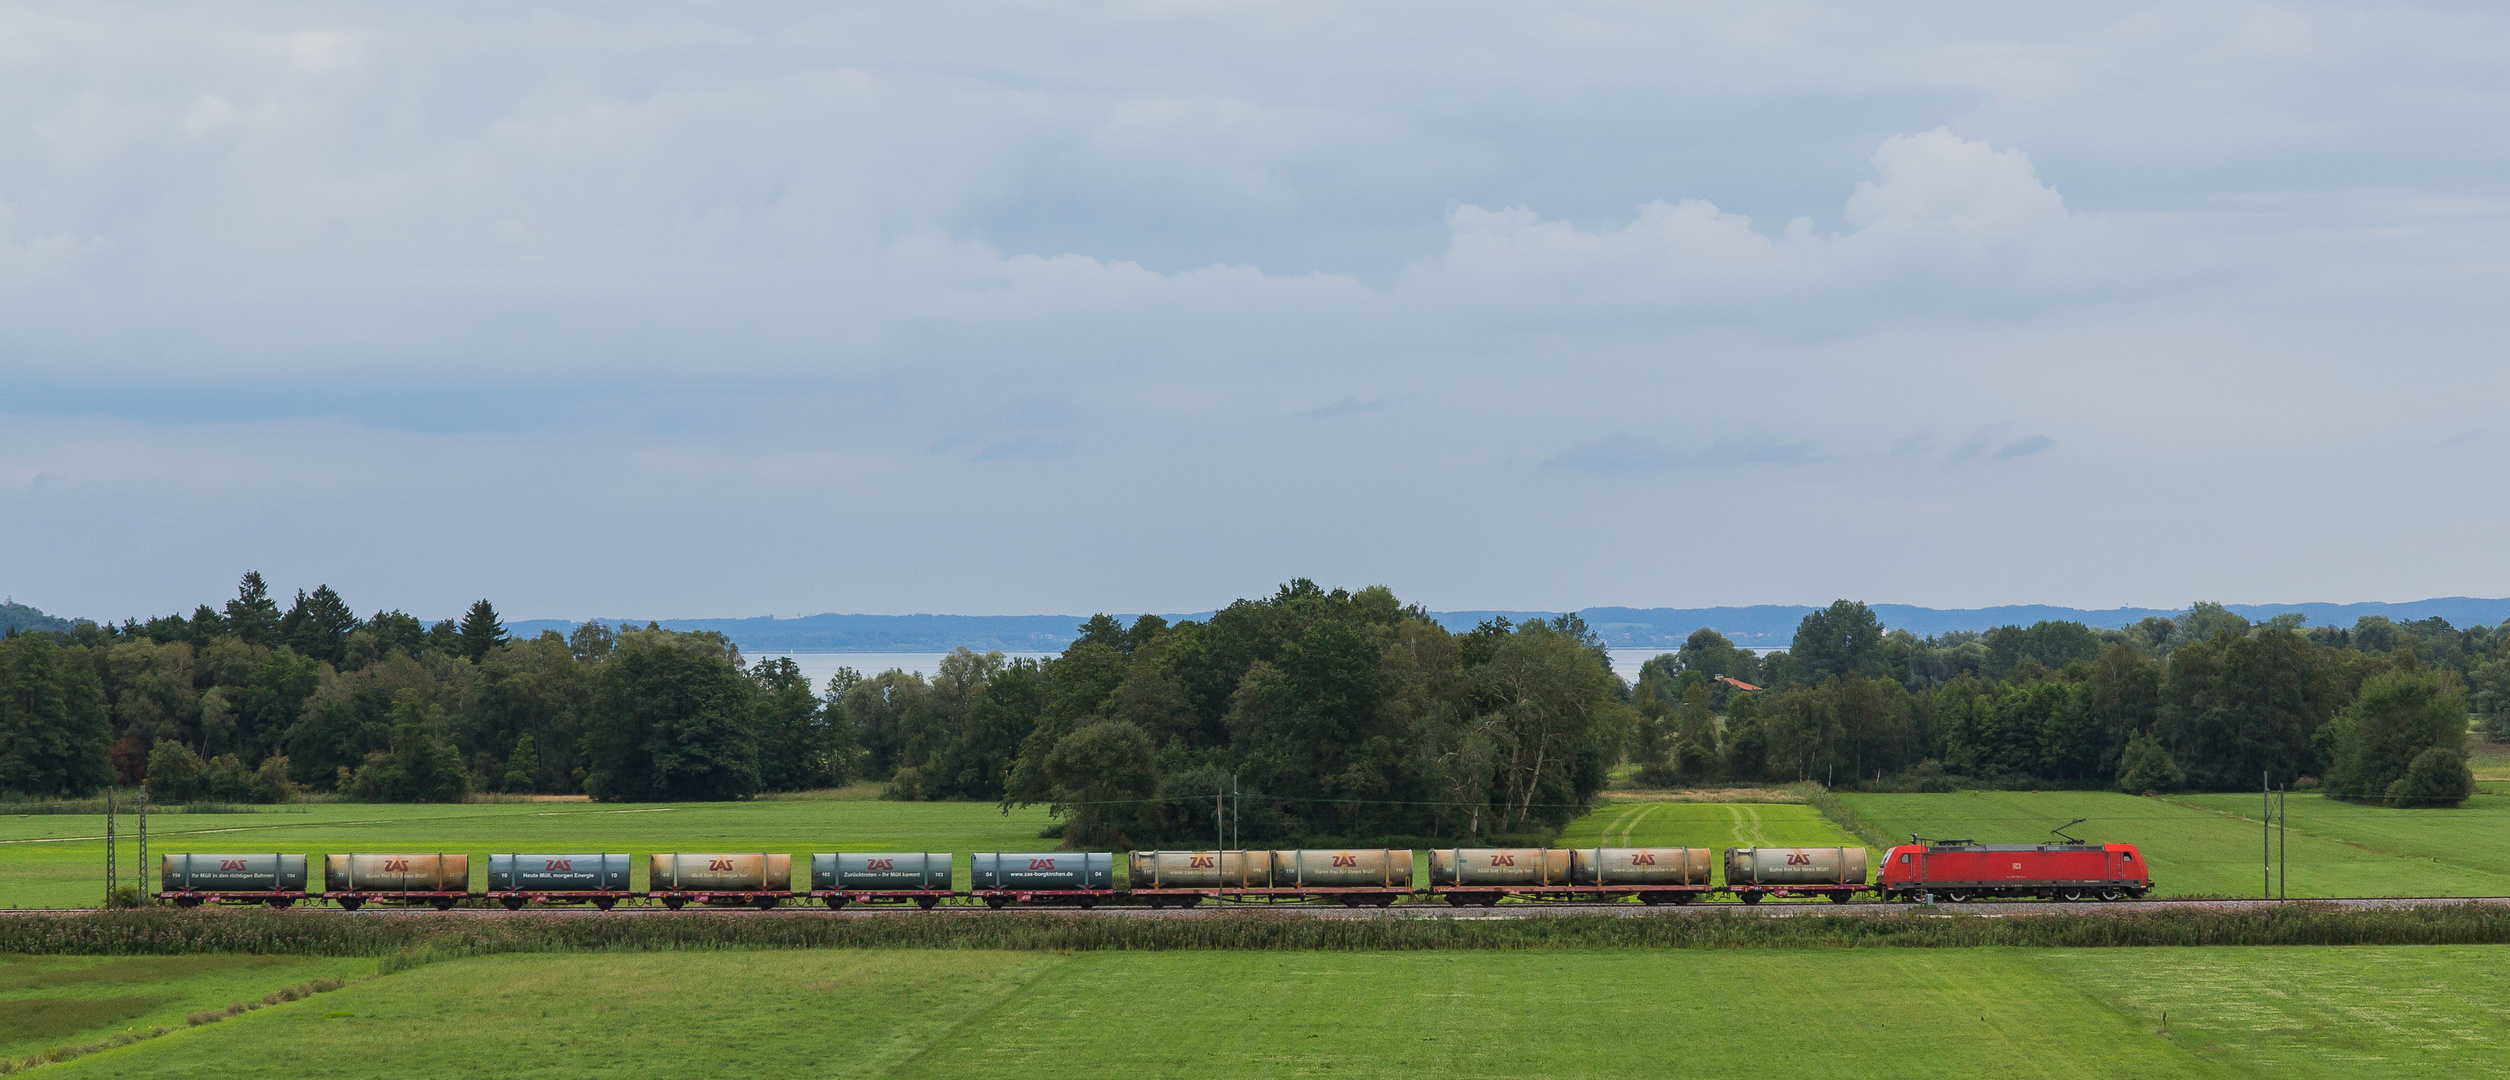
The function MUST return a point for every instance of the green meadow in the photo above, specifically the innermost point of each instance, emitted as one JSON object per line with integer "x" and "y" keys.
{"x": 2289, "y": 1013}
{"x": 48, "y": 1001}
{"x": 2212, "y": 845}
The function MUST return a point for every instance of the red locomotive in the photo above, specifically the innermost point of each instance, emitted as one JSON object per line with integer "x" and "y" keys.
{"x": 1960, "y": 870}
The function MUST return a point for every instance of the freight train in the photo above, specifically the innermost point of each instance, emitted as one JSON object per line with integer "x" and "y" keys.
{"x": 1956, "y": 870}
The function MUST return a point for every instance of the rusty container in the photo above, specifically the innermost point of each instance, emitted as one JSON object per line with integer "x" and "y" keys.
{"x": 255, "y": 872}
{"x": 1042, "y": 871}
{"x": 1640, "y": 866}
{"x": 1200, "y": 870}
{"x": 714, "y": 872}
{"x": 1795, "y": 866}
{"x": 363, "y": 872}
{"x": 921, "y": 870}
{"x": 1358, "y": 868}
{"x": 1499, "y": 866}
{"x": 558, "y": 873}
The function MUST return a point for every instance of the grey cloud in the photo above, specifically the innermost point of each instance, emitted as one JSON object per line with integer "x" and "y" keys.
{"x": 1026, "y": 447}
{"x": 1622, "y": 452}
{"x": 1345, "y": 407}
{"x": 2024, "y": 447}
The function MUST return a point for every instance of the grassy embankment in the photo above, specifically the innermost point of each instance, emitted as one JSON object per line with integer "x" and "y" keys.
{"x": 55, "y": 860}
{"x": 2289, "y": 1014}
{"x": 2211, "y": 844}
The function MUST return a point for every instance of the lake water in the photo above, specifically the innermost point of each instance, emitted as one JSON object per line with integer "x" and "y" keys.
{"x": 818, "y": 666}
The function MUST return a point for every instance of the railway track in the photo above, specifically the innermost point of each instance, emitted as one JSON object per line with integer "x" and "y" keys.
{"x": 1775, "y": 910}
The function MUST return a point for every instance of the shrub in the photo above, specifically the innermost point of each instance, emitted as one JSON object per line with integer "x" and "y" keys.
{"x": 2147, "y": 768}
{"x": 2438, "y": 777}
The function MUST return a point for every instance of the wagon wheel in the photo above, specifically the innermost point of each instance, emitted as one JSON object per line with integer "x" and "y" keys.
{"x": 1088, "y": 902}
{"x": 282, "y": 901}
{"x": 1190, "y": 901}
{"x": 1350, "y": 901}
{"x": 833, "y": 902}
{"x": 441, "y": 903}
{"x": 1385, "y": 901}
{"x": 194, "y": 901}
{"x": 1840, "y": 897}
{"x": 674, "y": 902}
{"x": 1751, "y": 898}
{"x": 347, "y": 903}
{"x": 927, "y": 902}
{"x": 513, "y": 903}
{"x": 764, "y": 903}
{"x": 995, "y": 902}
{"x": 1684, "y": 898}
{"x": 1489, "y": 899}
{"x": 1156, "y": 903}
{"x": 1458, "y": 899}
{"x": 605, "y": 902}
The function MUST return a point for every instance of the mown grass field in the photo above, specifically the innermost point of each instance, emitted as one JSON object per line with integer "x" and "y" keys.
{"x": 56, "y": 860}
{"x": 48, "y": 1001}
{"x": 1709, "y": 825}
{"x": 2211, "y": 844}
{"x": 2293, "y": 1013}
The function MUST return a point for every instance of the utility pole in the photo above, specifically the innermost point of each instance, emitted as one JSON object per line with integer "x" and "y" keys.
{"x": 142, "y": 877}
{"x": 2266, "y": 823}
{"x": 2283, "y": 842}
{"x": 112, "y": 862}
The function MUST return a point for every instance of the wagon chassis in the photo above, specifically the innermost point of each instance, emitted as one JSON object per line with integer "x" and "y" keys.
{"x": 196, "y": 897}
{"x": 515, "y": 899}
{"x": 1356, "y": 896}
{"x": 1837, "y": 892}
{"x": 762, "y": 899}
{"x": 1085, "y": 898}
{"x": 922, "y": 898}
{"x": 1651, "y": 895}
{"x": 440, "y": 899}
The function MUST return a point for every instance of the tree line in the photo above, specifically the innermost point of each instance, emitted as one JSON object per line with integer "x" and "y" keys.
{"x": 1321, "y": 713}
{"x": 2377, "y": 712}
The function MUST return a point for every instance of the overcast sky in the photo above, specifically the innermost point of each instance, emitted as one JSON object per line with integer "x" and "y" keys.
{"x": 718, "y": 309}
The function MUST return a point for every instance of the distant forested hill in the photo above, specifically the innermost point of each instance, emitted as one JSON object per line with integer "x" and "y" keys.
{"x": 19, "y": 617}
{"x": 1758, "y": 626}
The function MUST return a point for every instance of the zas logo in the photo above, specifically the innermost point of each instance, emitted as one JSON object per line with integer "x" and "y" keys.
{"x": 1344, "y": 858}
{"x": 1041, "y": 864}
{"x": 396, "y": 866}
{"x": 719, "y": 864}
{"x": 1644, "y": 858}
{"x": 1201, "y": 862}
{"x": 231, "y": 864}
{"x": 558, "y": 866}
{"x": 1798, "y": 858}
{"x": 1503, "y": 858}
{"x": 880, "y": 864}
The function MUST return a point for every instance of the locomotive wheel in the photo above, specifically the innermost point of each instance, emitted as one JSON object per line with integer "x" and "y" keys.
{"x": 347, "y": 903}
{"x": 513, "y": 903}
{"x": 995, "y": 902}
{"x": 605, "y": 902}
{"x": 1958, "y": 896}
{"x": 441, "y": 903}
{"x": 2070, "y": 895}
{"x": 1751, "y": 898}
{"x": 674, "y": 902}
{"x": 764, "y": 903}
{"x": 2111, "y": 894}
{"x": 927, "y": 902}
{"x": 281, "y": 901}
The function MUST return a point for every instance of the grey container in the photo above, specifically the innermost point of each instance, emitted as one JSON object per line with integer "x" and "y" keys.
{"x": 1348, "y": 868}
{"x": 558, "y": 873}
{"x": 881, "y": 870}
{"x": 1640, "y": 866}
{"x": 1795, "y": 866}
{"x": 1499, "y": 866}
{"x": 1042, "y": 871}
{"x": 258, "y": 872}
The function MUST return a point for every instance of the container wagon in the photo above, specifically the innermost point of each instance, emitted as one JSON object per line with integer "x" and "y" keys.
{"x": 921, "y": 878}
{"x": 272, "y": 878}
{"x": 750, "y": 879}
{"x": 436, "y": 879}
{"x": 516, "y": 879}
{"x": 1187, "y": 878}
{"x": 1351, "y": 876}
{"x": 1027, "y": 877}
{"x": 1835, "y": 873}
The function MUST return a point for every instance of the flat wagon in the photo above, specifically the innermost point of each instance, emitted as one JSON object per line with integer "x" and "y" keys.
{"x": 273, "y": 878}
{"x": 1027, "y": 877}
{"x": 1834, "y": 873}
{"x": 436, "y": 879}
{"x": 921, "y": 878}
{"x": 517, "y": 878}
{"x": 751, "y": 879}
